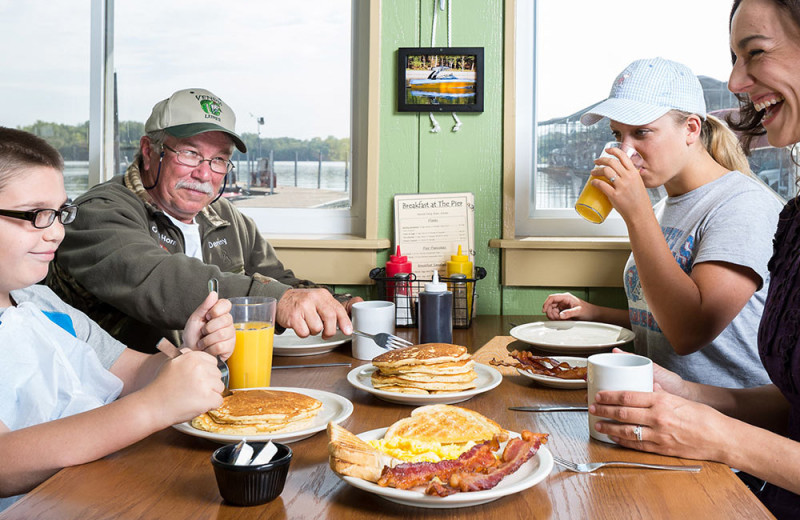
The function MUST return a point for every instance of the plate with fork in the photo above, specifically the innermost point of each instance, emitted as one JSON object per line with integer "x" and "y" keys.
{"x": 488, "y": 378}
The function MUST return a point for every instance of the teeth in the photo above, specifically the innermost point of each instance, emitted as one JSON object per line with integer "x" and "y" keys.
{"x": 764, "y": 104}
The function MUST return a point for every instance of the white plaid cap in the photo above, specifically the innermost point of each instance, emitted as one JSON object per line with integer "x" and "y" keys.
{"x": 648, "y": 89}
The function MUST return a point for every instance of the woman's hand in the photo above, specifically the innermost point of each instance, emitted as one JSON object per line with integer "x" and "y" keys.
{"x": 565, "y": 306}
{"x": 210, "y": 327}
{"x": 625, "y": 188}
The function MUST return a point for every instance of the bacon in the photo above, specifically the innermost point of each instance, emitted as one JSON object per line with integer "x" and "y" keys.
{"x": 517, "y": 452}
{"x": 543, "y": 365}
{"x": 405, "y": 476}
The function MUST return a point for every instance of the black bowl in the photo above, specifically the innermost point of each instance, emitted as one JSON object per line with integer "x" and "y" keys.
{"x": 251, "y": 485}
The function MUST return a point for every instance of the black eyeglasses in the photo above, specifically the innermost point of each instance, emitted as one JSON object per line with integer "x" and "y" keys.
{"x": 194, "y": 159}
{"x": 44, "y": 218}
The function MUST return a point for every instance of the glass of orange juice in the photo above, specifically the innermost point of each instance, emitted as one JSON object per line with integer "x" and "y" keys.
{"x": 250, "y": 365}
{"x": 592, "y": 204}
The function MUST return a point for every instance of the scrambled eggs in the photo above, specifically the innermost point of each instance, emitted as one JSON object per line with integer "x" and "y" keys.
{"x": 410, "y": 450}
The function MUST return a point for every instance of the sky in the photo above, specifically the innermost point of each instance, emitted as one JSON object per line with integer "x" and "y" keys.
{"x": 288, "y": 60}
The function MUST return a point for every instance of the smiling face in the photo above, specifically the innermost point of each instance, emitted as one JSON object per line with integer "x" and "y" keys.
{"x": 183, "y": 191}
{"x": 766, "y": 44}
{"x": 27, "y": 251}
{"x": 663, "y": 145}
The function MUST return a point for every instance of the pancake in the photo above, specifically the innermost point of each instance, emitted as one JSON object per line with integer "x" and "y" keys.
{"x": 414, "y": 377}
{"x": 390, "y": 382}
{"x": 456, "y": 367}
{"x": 206, "y": 423}
{"x": 445, "y": 424}
{"x": 425, "y": 354}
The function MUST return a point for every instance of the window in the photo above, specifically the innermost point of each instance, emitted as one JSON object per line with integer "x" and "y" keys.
{"x": 567, "y": 56}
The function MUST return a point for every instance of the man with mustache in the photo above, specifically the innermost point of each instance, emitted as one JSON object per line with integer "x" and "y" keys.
{"x": 139, "y": 257}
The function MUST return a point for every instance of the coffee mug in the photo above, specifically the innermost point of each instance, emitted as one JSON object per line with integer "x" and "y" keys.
{"x": 371, "y": 317}
{"x": 616, "y": 372}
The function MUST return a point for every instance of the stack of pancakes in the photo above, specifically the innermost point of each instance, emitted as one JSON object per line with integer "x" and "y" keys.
{"x": 251, "y": 412}
{"x": 430, "y": 368}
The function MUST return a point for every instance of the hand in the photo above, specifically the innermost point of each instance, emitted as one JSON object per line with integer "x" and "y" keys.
{"x": 311, "y": 311}
{"x": 348, "y": 305}
{"x": 565, "y": 306}
{"x": 671, "y": 425}
{"x": 185, "y": 387}
{"x": 627, "y": 193}
{"x": 210, "y": 327}
{"x": 665, "y": 380}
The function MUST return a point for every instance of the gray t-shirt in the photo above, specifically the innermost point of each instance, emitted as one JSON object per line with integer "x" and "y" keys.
{"x": 731, "y": 219}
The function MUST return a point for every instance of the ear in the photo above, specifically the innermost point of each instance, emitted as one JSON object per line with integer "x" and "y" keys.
{"x": 694, "y": 126}
{"x": 146, "y": 146}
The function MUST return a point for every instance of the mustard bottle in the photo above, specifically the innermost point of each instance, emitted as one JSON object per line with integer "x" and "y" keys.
{"x": 462, "y": 291}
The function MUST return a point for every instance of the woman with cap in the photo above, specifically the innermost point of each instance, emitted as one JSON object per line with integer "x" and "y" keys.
{"x": 697, "y": 276}
{"x": 756, "y": 430}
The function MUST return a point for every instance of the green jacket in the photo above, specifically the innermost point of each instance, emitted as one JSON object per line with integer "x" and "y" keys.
{"x": 122, "y": 262}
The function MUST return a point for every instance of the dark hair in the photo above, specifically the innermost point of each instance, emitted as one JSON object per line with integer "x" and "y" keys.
{"x": 19, "y": 150}
{"x": 748, "y": 119}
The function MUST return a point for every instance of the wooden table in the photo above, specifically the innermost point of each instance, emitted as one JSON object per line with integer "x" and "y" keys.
{"x": 169, "y": 474}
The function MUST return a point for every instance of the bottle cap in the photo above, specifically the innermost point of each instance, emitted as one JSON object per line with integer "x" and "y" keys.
{"x": 435, "y": 286}
{"x": 458, "y": 277}
{"x": 397, "y": 257}
{"x": 459, "y": 257}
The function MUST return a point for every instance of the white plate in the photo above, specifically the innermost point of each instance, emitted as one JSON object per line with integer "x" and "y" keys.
{"x": 572, "y": 337}
{"x": 289, "y": 344}
{"x": 488, "y": 378}
{"x": 335, "y": 408}
{"x": 528, "y": 475}
{"x": 557, "y": 382}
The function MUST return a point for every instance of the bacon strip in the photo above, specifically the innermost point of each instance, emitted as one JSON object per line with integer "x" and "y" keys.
{"x": 405, "y": 476}
{"x": 543, "y": 365}
{"x": 517, "y": 452}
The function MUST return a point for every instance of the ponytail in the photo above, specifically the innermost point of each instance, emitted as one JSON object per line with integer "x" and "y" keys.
{"x": 723, "y": 145}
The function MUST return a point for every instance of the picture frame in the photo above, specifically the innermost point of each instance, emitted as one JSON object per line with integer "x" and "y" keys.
{"x": 440, "y": 79}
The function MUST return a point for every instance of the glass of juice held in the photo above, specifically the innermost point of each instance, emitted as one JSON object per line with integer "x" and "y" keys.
{"x": 250, "y": 364}
{"x": 592, "y": 204}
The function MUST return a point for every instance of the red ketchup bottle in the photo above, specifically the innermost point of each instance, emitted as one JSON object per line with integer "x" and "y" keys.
{"x": 396, "y": 264}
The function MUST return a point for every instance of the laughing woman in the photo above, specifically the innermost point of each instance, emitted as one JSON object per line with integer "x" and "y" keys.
{"x": 756, "y": 430}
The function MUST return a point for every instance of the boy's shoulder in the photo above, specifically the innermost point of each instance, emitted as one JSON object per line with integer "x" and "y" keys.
{"x": 41, "y": 295}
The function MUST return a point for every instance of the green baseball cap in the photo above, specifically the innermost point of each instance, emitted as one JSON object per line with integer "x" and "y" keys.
{"x": 194, "y": 111}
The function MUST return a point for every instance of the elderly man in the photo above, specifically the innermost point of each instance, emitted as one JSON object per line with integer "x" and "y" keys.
{"x": 139, "y": 256}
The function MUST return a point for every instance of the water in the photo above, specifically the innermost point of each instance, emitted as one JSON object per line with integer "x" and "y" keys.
{"x": 332, "y": 177}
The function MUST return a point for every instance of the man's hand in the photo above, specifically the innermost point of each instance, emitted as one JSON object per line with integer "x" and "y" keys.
{"x": 311, "y": 311}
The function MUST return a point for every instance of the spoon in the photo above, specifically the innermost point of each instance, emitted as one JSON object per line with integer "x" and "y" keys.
{"x": 213, "y": 286}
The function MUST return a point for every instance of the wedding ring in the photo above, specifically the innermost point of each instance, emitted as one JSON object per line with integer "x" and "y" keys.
{"x": 612, "y": 179}
{"x": 638, "y": 432}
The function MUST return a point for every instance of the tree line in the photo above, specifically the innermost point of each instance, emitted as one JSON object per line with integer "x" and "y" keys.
{"x": 72, "y": 141}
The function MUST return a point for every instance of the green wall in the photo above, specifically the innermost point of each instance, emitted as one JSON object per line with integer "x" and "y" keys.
{"x": 414, "y": 160}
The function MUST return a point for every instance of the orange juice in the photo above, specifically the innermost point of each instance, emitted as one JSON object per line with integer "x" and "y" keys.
{"x": 593, "y": 205}
{"x": 250, "y": 364}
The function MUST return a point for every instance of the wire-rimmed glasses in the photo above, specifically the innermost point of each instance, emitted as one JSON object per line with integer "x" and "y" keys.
{"x": 194, "y": 159}
{"x": 44, "y": 218}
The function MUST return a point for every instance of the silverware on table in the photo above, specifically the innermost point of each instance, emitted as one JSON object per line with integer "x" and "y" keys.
{"x": 318, "y": 365}
{"x": 387, "y": 341}
{"x": 592, "y": 466}
{"x": 549, "y": 408}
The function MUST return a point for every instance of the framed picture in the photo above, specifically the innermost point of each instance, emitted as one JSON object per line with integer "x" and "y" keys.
{"x": 440, "y": 79}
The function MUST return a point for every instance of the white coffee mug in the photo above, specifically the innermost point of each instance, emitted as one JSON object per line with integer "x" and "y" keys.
{"x": 616, "y": 372}
{"x": 371, "y": 317}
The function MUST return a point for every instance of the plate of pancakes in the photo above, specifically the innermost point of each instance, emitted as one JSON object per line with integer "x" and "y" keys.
{"x": 281, "y": 414}
{"x": 290, "y": 344}
{"x": 430, "y": 373}
{"x": 558, "y": 382}
{"x": 572, "y": 337}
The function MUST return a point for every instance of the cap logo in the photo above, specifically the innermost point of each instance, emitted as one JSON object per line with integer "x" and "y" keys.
{"x": 210, "y": 107}
{"x": 622, "y": 78}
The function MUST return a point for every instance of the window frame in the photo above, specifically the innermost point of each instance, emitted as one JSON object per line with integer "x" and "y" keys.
{"x": 356, "y": 221}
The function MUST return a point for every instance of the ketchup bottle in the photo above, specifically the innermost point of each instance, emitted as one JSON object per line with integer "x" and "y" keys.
{"x": 396, "y": 264}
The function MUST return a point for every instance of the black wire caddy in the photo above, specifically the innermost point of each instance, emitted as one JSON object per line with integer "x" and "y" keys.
{"x": 403, "y": 288}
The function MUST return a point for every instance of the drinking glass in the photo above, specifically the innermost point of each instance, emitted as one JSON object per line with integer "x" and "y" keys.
{"x": 593, "y": 205}
{"x": 250, "y": 364}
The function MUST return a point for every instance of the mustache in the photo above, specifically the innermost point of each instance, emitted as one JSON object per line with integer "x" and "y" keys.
{"x": 204, "y": 187}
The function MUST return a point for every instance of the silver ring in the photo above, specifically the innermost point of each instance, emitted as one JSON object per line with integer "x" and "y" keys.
{"x": 612, "y": 179}
{"x": 638, "y": 432}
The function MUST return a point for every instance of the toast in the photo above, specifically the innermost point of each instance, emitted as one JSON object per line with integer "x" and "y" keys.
{"x": 446, "y": 424}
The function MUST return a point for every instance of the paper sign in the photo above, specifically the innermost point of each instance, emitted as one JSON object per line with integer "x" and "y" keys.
{"x": 429, "y": 227}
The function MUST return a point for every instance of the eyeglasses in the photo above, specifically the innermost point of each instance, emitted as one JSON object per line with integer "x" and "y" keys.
{"x": 194, "y": 159}
{"x": 44, "y": 218}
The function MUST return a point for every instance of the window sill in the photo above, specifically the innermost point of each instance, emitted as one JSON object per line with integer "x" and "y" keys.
{"x": 329, "y": 259}
{"x": 563, "y": 261}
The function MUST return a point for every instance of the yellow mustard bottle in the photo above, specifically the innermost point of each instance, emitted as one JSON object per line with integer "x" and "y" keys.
{"x": 459, "y": 264}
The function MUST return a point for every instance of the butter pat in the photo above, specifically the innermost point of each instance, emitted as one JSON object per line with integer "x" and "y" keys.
{"x": 244, "y": 454}
{"x": 265, "y": 455}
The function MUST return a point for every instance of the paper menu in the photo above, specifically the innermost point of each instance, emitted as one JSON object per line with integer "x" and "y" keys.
{"x": 429, "y": 227}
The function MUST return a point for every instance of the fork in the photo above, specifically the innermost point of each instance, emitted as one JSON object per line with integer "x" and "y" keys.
{"x": 592, "y": 466}
{"x": 387, "y": 341}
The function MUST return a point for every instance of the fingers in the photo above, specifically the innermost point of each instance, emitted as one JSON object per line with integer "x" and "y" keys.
{"x": 311, "y": 311}
{"x": 556, "y": 304}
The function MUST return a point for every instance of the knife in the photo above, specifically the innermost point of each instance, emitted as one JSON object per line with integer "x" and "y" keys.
{"x": 549, "y": 408}
{"x": 320, "y": 365}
